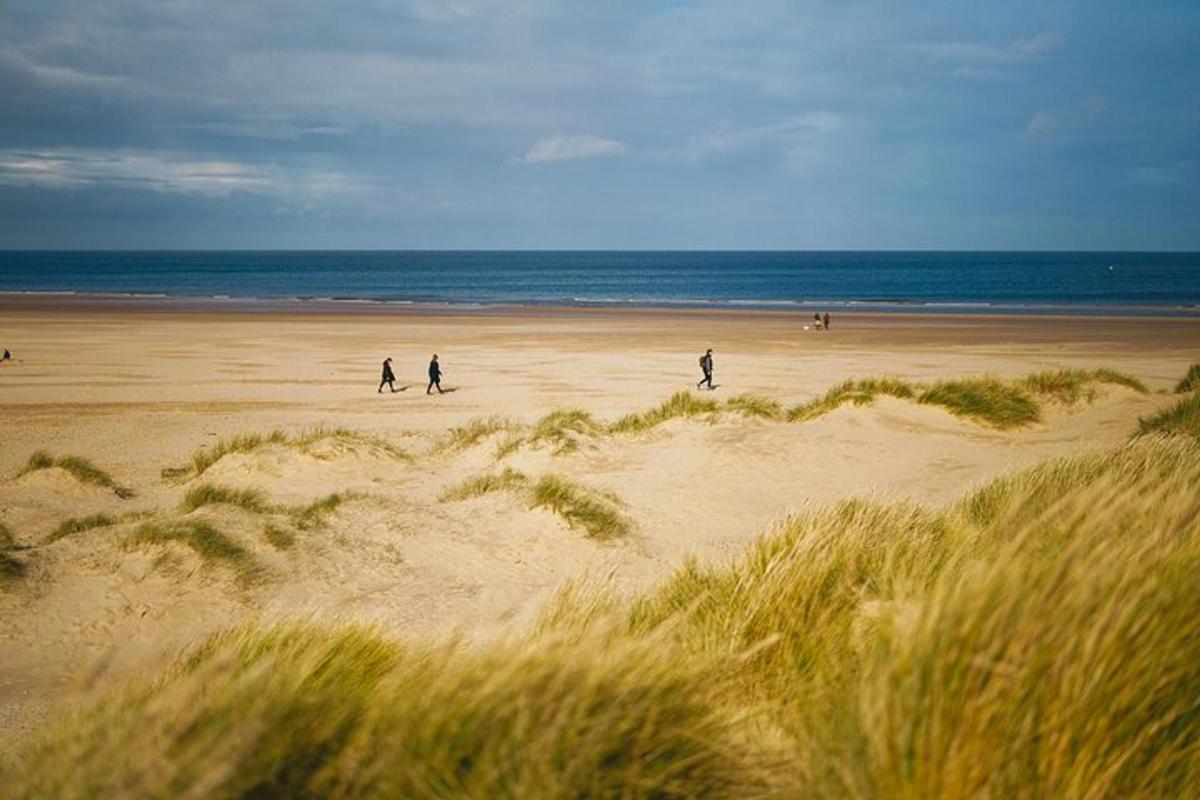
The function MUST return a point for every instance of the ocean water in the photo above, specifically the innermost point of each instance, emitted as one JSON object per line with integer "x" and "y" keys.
{"x": 1025, "y": 282}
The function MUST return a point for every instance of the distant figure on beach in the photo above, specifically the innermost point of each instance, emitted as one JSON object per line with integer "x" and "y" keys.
{"x": 7, "y": 355}
{"x": 817, "y": 323}
{"x": 388, "y": 376}
{"x": 435, "y": 376}
{"x": 706, "y": 366}
{"x": 825, "y": 319}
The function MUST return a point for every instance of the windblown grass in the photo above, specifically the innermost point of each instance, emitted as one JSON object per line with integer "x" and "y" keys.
{"x": 475, "y": 431}
{"x": 563, "y": 429}
{"x": 304, "y": 441}
{"x": 7, "y": 540}
{"x": 278, "y": 537}
{"x": 1069, "y": 386}
{"x": 988, "y": 400}
{"x": 11, "y": 567}
{"x": 342, "y": 713}
{"x": 1190, "y": 382}
{"x": 1182, "y": 418}
{"x": 753, "y": 405}
{"x": 507, "y": 480}
{"x": 79, "y": 524}
{"x": 206, "y": 494}
{"x": 681, "y": 404}
{"x": 204, "y": 539}
{"x": 1040, "y": 638}
{"x": 313, "y": 515}
{"x": 859, "y": 392}
{"x": 596, "y": 512}
{"x": 78, "y": 467}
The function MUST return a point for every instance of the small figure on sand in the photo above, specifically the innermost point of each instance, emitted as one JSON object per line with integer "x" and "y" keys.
{"x": 7, "y": 355}
{"x": 817, "y": 323}
{"x": 435, "y": 376}
{"x": 389, "y": 377}
{"x": 825, "y": 319}
{"x": 706, "y": 366}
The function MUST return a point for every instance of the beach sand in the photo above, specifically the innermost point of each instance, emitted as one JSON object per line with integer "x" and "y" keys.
{"x": 138, "y": 387}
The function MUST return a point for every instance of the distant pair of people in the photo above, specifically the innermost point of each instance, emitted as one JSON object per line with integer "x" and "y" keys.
{"x": 435, "y": 376}
{"x": 821, "y": 322}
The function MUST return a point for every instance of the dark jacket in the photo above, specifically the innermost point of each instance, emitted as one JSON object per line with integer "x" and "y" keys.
{"x": 435, "y": 371}
{"x": 388, "y": 376}
{"x": 706, "y": 363}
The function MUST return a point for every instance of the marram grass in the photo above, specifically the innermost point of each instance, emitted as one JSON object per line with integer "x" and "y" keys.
{"x": 596, "y": 512}
{"x": 1040, "y": 638}
{"x": 506, "y": 480}
{"x": 78, "y": 467}
{"x": 1181, "y": 418}
{"x": 1190, "y": 381}
{"x": 205, "y": 494}
{"x": 304, "y": 441}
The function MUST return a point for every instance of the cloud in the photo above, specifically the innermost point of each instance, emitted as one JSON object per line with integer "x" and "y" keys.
{"x": 74, "y": 168}
{"x": 1039, "y": 44}
{"x": 567, "y": 148}
{"x": 1047, "y": 123}
{"x": 791, "y": 132}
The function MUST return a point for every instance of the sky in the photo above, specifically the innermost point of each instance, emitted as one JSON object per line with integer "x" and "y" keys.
{"x": 530, "y": 124}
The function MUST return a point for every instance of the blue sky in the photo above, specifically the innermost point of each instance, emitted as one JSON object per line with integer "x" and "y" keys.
{"x": 530, "y": 124}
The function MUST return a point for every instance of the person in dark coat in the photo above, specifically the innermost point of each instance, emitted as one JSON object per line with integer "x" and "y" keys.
{"x": 388, "y": 376}
{"x": 825, "y": 319}
{"x": 706, "y": 366}
{"x": 435, "y": 376}
{"x": 7, "y": 355}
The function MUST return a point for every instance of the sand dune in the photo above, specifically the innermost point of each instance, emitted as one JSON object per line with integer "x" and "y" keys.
{"x": 143, "y": 395}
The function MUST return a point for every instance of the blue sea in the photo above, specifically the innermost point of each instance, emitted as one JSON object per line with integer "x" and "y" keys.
{"x": 983, "y": 282}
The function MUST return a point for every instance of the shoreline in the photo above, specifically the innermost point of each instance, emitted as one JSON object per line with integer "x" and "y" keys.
{"x": 240, "y": 307}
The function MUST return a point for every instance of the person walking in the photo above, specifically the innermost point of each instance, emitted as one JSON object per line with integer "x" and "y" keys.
{"x": 435, "y": 376}
{"x": 825, "y": 319}
{"x": 706, "y": 366}
{"x": 388, "y": 376}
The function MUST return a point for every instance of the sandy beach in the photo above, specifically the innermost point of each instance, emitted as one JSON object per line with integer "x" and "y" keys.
{"x": 139, "y": 387}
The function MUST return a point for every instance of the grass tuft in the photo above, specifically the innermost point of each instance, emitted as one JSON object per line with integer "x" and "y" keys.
{"x": 562, "y": 429}
{"x": 753, "y": 405}
{"x": 1069, "y": 386}
{"x": 78, "y": 467}
{"x": 7, "y": 539}
{"x": 1183, "y": 418}
{"x": 858, "y": 392}
{"x": 205, "y": 457}
{"x": 312, "y": 515}
{"x": 596, "y": 512}
{"x": 204, "y": 539}
{"x": 1190, "y": 382}
{"x": 682, "y": 404}
{"x": 79, "y": 524}
{"x": 277, "y": 537}
{"x": 988, "y": 400}
{"x": 206, "y": 494}
{"x": 507, "y": 480}
{"x": 462, "y": 437}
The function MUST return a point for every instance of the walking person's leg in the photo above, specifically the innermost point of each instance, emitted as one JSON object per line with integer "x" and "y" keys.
{"x": 429, "y": 388}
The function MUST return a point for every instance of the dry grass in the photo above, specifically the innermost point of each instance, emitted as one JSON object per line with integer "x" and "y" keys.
{"x": 205, "y": 457}
{"x": 563, "y": 430}
{"x": 858, "y": 392}
{"x": 313, "y": 515}
{"x": 206, "y": 494}
{"x": 78, "y": 467}
{"x": 11, "y": 568}
{"x": 680, "y": 405}
{"x": 213, "y": 546}
{"x": 1040, "y": 638}
{"x": 475, "y": 431}
{"x": 1190, "y": 381}
{"x": 305, "y": 441}
{"x": 598, "y": 513}
{"x": 988, "y": 400}
{"x": 1183, "y": 418}
{"x": 7, "y": 539}
{"x": 1069, "y": 386}
{"x": 278, "y": 537}
{"x": 505, "y": 481}
{"x": 756, "y": 406}
{"x": 79, "y": 524}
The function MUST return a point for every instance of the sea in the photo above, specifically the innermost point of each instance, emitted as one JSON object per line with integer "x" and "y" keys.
{"x": 1084, "y": 283}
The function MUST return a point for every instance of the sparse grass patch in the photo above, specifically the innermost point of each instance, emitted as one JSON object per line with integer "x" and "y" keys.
{"x": 206, "y": 494}
{"x": 988, "y": 399}
{"x": 205, "y": 457}
{"x": 507, "y": 480}
{"x": 681, "y": 404}
{"x": 1190, "y": 382}
{"x": 753, "y": 405}
{"x": 859, "y": 392}
{"x": 11, "y": 568}
{"x": 474, "y": 431}
{"x": 563, "y": 429}
{"x": 79, "y": 524}
{"x": 304, "y": 440}
{"x": 277, "y": 537}
{"x": 1183, "y": 418}
{"x": 203, "y": 538}
{"x": 82, "y": 469}
{"x": 1069, "y": 386}
{"x": 7, "y": 540}
{"x": 596, "y": 512}
{"x": 311, "y": 515}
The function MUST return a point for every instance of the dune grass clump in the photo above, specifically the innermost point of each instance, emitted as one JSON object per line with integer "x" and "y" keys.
{"x": 681, "y": 404}
{"x": 1183, "y": 418}
{"x": 596, "y": 512}
{"x": 278, "y": 537}
{"x": 462, "y": 437}
{"x": 206, "y": 494}
{"x": 304, "y": 441}
{"x": 562, "y": 430}
{"x": 80, "y": 524}
{"x": 11, "y": 567}
{"x": 312, "y": 515}
{"x": 299, "y": 711}
{"x": 205, "y": 457}
{"x": 753, "y": 405}
{"x": 1069, "y": 386}
{"x": 204, "y": 539}
{"x": 988, "y": 400}
{"x": 1190, "y": 381}
{"x": 80, "y": 468}
{"x": 858, "y": 392}
{"x": 506, "y": 480}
